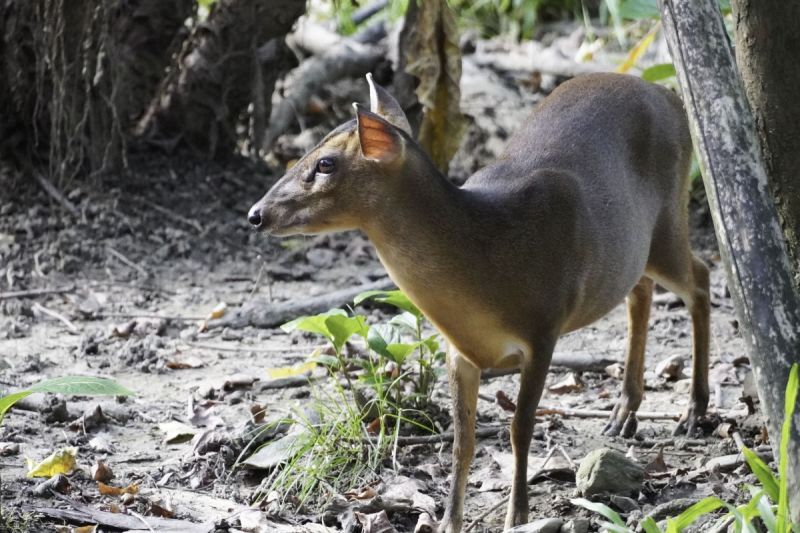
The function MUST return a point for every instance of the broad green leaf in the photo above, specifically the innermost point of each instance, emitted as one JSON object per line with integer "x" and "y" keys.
{"x": 314, "y": 323}
{"x": 790, "y": 404}
{"x": 406, "y": 320}
{"x": 396, "y": 298}
{"x": 334, "y": 325}
{"x": 602, "y": 509}
{"x": 432, "y": 343}
{"x": 762, "y": 472}
{"x": 82, "y": 385}
{"x": 7, "y": 401}
{"x": 79, "y": 385}
{"x": 639, "y": 9}
{"x": 703, "y": 507}
{"x": 399, "y": 352}
{"x": 659, "y": 72}
{"x": 328, "y": 360}
{"x": 380, "y": 336}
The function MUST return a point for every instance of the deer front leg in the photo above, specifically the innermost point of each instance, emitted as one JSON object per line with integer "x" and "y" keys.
{"x": 532, "y": 379}
{"x": 464, "y": 380}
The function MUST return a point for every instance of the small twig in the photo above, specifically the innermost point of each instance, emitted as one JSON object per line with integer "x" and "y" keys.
{"x": 503, "y": 501}
{"x": 37, "y": 307}
{"x": 223, "y": 348}
{"x": 30, "y": 293}
{"x": 176, "y": 217}
{"x": 149, "y": 315}
{"x": 127, "y": 261}
{"x": 54, "y": 193}
{"x": 596, "y": 413}
{"x": 410, "y": 440}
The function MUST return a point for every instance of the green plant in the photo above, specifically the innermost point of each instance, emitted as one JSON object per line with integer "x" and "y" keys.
{"x": 769, "y": 504}
{"x": 341, "y": 439}
{"x": 79, "y": 385}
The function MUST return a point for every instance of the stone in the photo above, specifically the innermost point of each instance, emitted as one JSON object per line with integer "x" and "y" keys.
{"x": 607, "y": 471}
{"x": 543, "y": 525}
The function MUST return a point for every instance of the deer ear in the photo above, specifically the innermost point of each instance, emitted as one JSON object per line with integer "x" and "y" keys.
{"x": 383, "y": 104}
{"x": 380, "y": 141}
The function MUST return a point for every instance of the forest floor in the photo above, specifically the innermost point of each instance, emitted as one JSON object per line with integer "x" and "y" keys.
{"x": 149, "y": 258}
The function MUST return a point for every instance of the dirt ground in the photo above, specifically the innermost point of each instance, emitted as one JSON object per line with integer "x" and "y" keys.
{"x": 149, "y": 258}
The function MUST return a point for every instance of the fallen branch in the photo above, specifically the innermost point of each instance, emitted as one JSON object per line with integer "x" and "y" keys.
{"x": 345, "y": 59}
{"x": 578, "y": 361}
{"x": 263, "y": 315}
{"x": 54, "y": 193}
{"x": 537, "y": 58}
{"x": 30, "y": 293}
{"x": 85, "y": 514}
{"x": 127, "y": 261}
{"x": 38, "y": 308}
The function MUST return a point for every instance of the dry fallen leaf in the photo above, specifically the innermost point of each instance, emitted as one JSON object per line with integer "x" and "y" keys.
{"x": 124, "y": 330}
{"x": 570, "y": 383}
{"x": 375, "y": 522}
{"x": 108, "y": 490}
{"x": 181, "y": 363}
{"x": 434, "y": 58}
{"x": 176, "y": 432}
{"x": 219, "y": 310}
{"x": 505, "y": 403}
{"x": 59, "y": 462}
{"x": 102, "y": 472}
{"x": 289, "y": 371}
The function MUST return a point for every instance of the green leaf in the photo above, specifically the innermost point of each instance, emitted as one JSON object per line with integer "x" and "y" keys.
{"x": 790, "y": 403}
{"x": 380, "y": 336}
{"x": 7, "y": 401}
{"x": 763, "y": 508}
{"x": 80, "y": 385}
{"x": 396, "y": 298}
{"x": 659, "y": 72}
{"x": 762, "y": 472}
{"x": 314, "y": 323}
{"x": 600, "y": 508}
{"x": 703, "y": 507}
{"x": 639, "y": 9}
{"x": 343, "y": 327}
{"x": 398, "y": 352}
{"x": 330, "y": 361}
{"x": 405, "y": 320}
{"x": 334, "y": 325}
{"x": 649, "y": 525}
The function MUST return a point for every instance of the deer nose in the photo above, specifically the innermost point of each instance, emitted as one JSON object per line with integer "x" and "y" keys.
{"x": 254, "y": 217}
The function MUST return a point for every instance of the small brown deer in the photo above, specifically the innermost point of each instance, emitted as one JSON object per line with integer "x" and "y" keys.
{"x": 587, "y": 206}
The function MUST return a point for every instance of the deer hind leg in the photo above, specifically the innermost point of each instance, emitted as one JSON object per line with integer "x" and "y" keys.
{"x": 623, "y": 417}
{"x": 689, "y": 279}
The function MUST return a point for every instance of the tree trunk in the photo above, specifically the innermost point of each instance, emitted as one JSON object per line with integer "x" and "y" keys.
{"x": 205, "y": 101}
{"x": 76, "y": 77}
{"x": 767, "y": 52}
{"x": 745, "y": 218}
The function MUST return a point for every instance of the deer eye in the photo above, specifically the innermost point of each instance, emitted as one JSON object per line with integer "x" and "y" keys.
{"x": 325, "y": 165}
